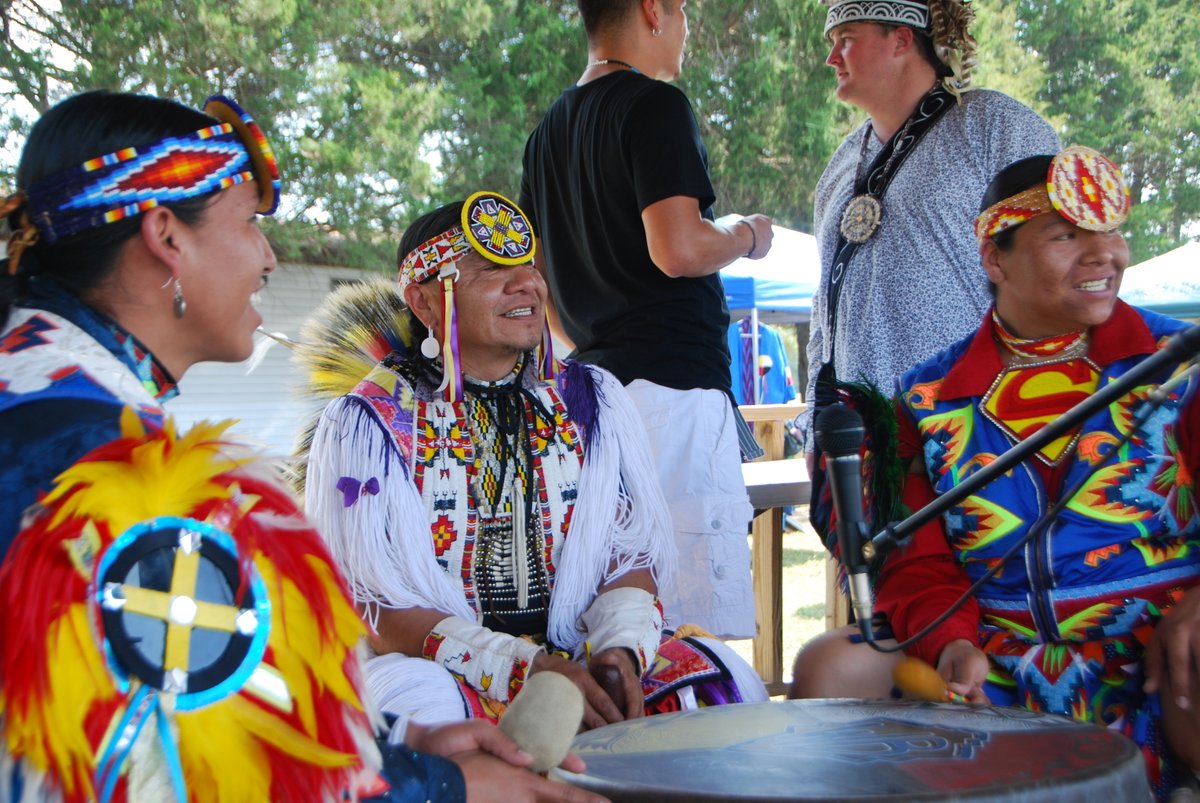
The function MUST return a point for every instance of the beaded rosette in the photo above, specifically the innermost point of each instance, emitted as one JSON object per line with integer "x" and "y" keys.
{"x": 1083, "y": 185}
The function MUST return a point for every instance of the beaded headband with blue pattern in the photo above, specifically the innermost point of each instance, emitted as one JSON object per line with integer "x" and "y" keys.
{"x": 493, "y": 227}
{"x": 130, "y": 181}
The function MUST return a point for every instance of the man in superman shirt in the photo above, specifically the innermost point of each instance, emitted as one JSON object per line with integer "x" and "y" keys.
{"x": 1097, "y": 617}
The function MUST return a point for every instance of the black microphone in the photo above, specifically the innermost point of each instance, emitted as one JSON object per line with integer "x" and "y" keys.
{"x": 839, "y": 432}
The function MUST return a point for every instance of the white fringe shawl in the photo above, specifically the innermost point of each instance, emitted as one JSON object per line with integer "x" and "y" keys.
{"x": 382, "y": 542}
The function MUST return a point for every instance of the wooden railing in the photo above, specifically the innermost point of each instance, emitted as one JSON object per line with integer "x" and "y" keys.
{"x": 772, "y": 484}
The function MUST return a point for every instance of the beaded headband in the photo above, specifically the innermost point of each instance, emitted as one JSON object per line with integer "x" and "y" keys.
{"x": 494, "y": 227}
{"x": 1083, "y": 185}
{"x": 130, "y": 181}
{"x": 490, "y": 224}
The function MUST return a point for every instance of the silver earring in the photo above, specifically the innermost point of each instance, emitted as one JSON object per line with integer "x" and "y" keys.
{"x": 656, "y": 32}
{"x": 430, "y": 347}
{"x": 180, "y": 304}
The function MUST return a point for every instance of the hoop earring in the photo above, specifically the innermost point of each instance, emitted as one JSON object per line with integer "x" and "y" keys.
{"x": 180, "y": 305}
{"x": 430, "y": 347}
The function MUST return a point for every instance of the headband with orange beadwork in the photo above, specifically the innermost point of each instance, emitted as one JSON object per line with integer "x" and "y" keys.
{"x": 1083, "y": 185}
{"x": 130, "y": 181}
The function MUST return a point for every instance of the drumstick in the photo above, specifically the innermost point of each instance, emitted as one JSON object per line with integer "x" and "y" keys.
{"x": 920, "y": 680}
{"x": 609, "y": 678}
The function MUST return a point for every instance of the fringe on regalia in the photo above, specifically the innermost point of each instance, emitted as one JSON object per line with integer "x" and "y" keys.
{"x": 288, "y": 724}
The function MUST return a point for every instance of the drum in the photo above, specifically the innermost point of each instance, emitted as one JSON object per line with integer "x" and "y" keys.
{"x": 856, "y": 750}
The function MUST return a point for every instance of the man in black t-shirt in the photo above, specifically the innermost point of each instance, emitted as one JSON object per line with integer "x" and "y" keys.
{"x": 616, "y": 181}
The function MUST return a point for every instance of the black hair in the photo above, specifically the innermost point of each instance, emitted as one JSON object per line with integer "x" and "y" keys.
{"x": 428, "y": 226}
{"x": 79, "y": 128}
{"x": 600, "y": 15}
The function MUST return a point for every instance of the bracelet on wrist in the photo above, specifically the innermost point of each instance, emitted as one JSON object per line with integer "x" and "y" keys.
{"x": 753, "y": 236}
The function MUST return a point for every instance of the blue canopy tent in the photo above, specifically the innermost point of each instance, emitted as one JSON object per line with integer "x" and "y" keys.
{"x": 777, "y": 288}
{"x": 780, "y": 286}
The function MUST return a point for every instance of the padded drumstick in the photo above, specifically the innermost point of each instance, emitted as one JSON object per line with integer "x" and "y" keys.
{"x": 544, "y": 718}
{"x": 921, "y": 681}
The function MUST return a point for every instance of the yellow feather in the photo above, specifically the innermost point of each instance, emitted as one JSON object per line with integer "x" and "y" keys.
{"x": 163, "y": 477}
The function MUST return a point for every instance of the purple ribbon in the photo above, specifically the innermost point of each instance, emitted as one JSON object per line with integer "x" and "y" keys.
{"x": 353, "y": 490}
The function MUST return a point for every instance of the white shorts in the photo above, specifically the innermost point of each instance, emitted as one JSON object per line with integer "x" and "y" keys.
{"x": 693, "y": 441}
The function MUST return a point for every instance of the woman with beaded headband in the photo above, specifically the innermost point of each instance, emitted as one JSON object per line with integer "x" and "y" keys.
{"x": 171, "y": 627}
{"x": 1086, "y": 554}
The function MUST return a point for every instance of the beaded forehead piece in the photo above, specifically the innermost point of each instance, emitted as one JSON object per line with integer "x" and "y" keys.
{"x": 1083, "y": 185}
{"x": 130, "y": 181}
{"x": 490, "y": 225}
{"x": 493, "y": 227}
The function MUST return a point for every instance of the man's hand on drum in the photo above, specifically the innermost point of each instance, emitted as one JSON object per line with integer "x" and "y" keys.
{"x": 492, "y": 780}
{"x": 964, "y": 667}
{"x": 598, "y": 707}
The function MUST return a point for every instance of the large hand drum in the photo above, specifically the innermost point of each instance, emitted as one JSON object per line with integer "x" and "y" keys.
{"x": 858, "y": 749}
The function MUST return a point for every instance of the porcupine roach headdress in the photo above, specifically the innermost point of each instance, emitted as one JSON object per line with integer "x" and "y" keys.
{"x": 356, "y": 326}
{"x": 172, "y": 629}
{"x": 946, "y": 22}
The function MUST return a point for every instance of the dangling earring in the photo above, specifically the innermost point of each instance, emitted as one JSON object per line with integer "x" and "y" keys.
{"x": 430, "y": 347}
{"x": 657, "y": 32}
{"x": 180, "y": 304}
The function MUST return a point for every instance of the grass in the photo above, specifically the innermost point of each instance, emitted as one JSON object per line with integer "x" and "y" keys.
{"x": 803, "y": 592}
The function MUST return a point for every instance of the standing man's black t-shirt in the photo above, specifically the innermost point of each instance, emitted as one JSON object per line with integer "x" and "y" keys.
{"x": 603, "y": 153}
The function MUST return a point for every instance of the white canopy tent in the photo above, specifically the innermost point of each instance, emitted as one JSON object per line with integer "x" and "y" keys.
{"x": 1169, "y": 283}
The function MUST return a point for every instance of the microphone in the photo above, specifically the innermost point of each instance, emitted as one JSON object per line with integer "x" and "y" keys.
{"x": 544, "y": 718}
{"x": 839, "y": 433}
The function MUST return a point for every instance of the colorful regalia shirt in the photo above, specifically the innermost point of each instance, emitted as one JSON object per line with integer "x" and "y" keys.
{"x": 66, "y": 373}
{"x": 1066, "y": 621}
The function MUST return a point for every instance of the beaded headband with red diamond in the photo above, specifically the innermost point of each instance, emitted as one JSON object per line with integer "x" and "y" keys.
{"x": 130, "y": 181}
{"x": 1083, "y": 185}
{"x": 490, "y": 224}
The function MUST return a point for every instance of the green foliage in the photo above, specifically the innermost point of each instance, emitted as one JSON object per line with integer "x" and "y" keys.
{"x": 755, "y": 74}
{"x": 381, "y": 109}
{"x": 1126, "y": 80}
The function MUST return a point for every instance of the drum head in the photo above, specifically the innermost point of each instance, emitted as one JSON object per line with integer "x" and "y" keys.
{"x": 857, "y": 750}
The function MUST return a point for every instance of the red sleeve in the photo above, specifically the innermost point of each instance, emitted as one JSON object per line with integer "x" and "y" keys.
{"x": 920, "y": 580}
{"x": 1188, "y": 434}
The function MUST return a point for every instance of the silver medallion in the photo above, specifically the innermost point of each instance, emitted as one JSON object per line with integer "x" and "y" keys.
{"x": 861, "y": 218}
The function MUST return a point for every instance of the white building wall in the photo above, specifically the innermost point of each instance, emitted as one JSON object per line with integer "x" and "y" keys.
{"x": 263, "y": 399}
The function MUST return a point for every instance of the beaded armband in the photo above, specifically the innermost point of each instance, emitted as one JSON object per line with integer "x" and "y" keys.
{"x": 493, "y": 664}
